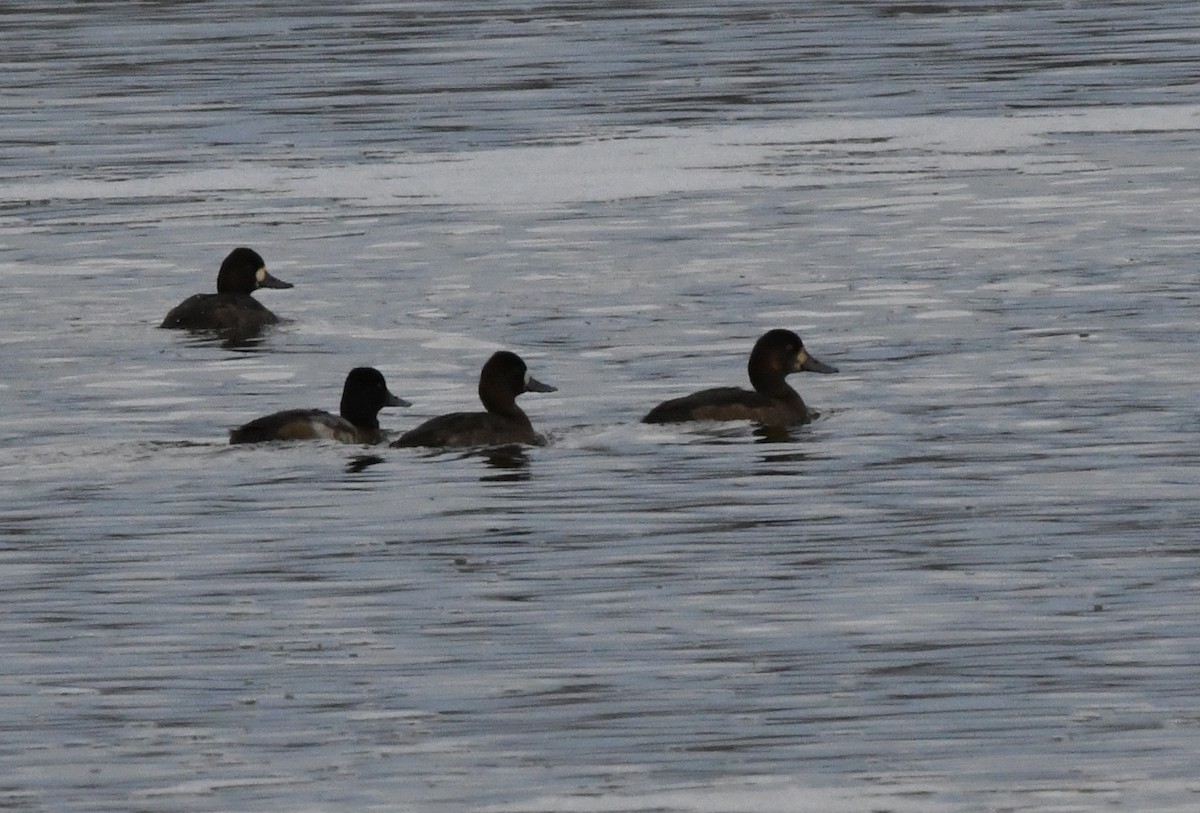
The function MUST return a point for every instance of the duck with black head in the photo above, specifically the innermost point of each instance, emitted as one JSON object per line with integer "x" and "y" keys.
{"x": 364, "y": 394}
{"x": 772, "y": 402}
{"x": 231, "y": 310}
{"x": 502, "y": 379}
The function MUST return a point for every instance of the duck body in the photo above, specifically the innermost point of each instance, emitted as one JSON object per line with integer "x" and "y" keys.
{"x": 231, "y": 309}
{"x": 772, "y": 402}
{"x": 240, "y": 313}
{"x": 503, "y": 378}
{"x": 303, "y": 424}
{"x": 731, "y": 404}
{"x": 460, "y": 429}
{"x": 364, "y": 394}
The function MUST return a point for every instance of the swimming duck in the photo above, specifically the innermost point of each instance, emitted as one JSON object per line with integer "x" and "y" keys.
{"x": 231, "y": 309}
{"x": 503, "y": 378}
{"x": 364, "y": 394}
{"x": 773, "y": 403}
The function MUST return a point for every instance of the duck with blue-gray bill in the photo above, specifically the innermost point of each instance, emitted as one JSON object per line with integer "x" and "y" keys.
{"x": 231, "y": 309}
{"x": 772, "y": 402}
{"x": 363, "y": 395}
{"x": 502, "y": 379}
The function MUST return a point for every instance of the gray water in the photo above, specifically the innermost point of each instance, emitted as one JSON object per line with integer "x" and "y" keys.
{"x": 970, "y": 585}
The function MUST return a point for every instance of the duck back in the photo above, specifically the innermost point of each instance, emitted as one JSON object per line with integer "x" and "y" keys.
{"x": 298, "y": 424}
{"x": 731, "y": 404}
{"x": 472, "y": 429}
{"x": 233, "y": 312}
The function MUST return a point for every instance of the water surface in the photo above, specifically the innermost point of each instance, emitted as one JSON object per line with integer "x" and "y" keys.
{"x": 968, "y": 586}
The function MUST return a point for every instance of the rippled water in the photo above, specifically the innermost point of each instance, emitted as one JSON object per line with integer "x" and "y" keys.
{"x": 969, "y": 586}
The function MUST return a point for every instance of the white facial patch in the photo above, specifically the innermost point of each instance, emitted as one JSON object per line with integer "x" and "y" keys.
{"x": 260, "y": 275}
{"x": 527, "y": 377}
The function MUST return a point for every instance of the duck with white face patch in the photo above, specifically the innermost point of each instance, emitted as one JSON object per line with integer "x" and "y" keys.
{"x": 231, "y": 311}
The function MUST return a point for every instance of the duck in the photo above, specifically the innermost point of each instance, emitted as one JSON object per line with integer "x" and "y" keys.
{"x": 773, "y": 402}
{"x": 503, "y": 378}
{"x": 364, "y": 394}
{"x": 231, "y": 309}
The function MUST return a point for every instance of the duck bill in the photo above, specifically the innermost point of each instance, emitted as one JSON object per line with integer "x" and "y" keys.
{"x": 533, "y": 385}
{"x": 395, "y": 400}
{"x": 265, "y": 280}
{"x": 810, "y": 364}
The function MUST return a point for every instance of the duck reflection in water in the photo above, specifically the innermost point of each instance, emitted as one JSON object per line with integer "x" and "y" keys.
{"x": 507, "y": 464}
{"x": 360, "y": 463}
